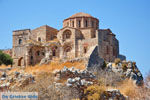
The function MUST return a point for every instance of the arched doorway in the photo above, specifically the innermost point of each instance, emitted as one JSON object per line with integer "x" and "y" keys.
{"x": 54, "y": 52}
{"x": 67, "y": 51}
{"x": 20, "y": 61}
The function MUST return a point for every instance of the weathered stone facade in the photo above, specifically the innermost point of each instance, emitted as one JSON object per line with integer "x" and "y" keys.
{"x": 79, "y": 38}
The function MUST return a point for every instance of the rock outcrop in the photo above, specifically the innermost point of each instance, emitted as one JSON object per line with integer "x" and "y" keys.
{"x": 127, "y": 70}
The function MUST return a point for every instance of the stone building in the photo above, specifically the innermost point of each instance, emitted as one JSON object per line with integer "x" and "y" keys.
{"x": 80, "y": 37}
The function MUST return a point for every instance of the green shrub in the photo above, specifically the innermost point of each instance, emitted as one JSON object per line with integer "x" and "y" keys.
{"x": 117, "y": 61}
{"x": 5, "y": 59}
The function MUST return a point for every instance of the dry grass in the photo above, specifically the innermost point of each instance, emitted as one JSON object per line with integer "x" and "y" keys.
{"x": 4, "y": 66}
{"x": 50, "y": 67}
{"x": 46, "y": 88}
{"x": 128, "y": 88}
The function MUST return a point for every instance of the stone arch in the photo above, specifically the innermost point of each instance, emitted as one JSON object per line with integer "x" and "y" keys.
{"x": 67, "y": 50}
{"x": 20, "y": 61}
{"x": 67, "y": 34}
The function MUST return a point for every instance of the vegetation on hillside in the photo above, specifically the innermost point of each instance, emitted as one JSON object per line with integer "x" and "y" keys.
{"x": 5, "y": 59}
{"x": 48, "y": 88}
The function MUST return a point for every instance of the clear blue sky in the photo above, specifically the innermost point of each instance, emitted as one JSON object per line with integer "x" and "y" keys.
{"x": 128, "y": 19}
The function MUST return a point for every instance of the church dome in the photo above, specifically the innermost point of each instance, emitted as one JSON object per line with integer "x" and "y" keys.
{"x": 80, "y": 14}
{"x": 81, "y": 20}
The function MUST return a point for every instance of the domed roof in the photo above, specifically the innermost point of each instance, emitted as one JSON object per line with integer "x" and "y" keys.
{"x": 80, "y": 14}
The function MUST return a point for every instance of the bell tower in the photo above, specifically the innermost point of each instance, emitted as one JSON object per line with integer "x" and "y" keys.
{"x": 19, "y": 40}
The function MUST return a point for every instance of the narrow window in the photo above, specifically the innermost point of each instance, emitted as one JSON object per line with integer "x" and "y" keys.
{"x": 54, "y": 52}
{"x": 79, "y": 23}
{"x": 85, "y": 49}
{"x": 20, "y": 41}
{"x": 39, "y": 39}
{"x": 31, "y": 61}
{"x": 86, "y": 23}
{"x": 92, "y": 23}
{"x": 72, "y": 23}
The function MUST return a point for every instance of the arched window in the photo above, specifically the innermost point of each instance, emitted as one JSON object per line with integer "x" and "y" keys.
{"x": 67, "y": 49}
{"x": 67, "y": 34}
{"x": 20, "y": 41}
{"x": 79, "y": 23}
{"x": 86, "y": 23}
{"x": 39, "y": 39}
{"x": 38, "y": 53}
{"x": 72, "y": 23}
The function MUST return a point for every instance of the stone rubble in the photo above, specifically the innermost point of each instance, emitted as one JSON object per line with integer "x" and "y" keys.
{"x": 75, "y": 77}
{"x": 15, "y": 79}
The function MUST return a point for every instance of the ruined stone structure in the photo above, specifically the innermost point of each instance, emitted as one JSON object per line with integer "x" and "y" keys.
{"x": 7, "y": 51}
{"x": 80, "y": 37}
